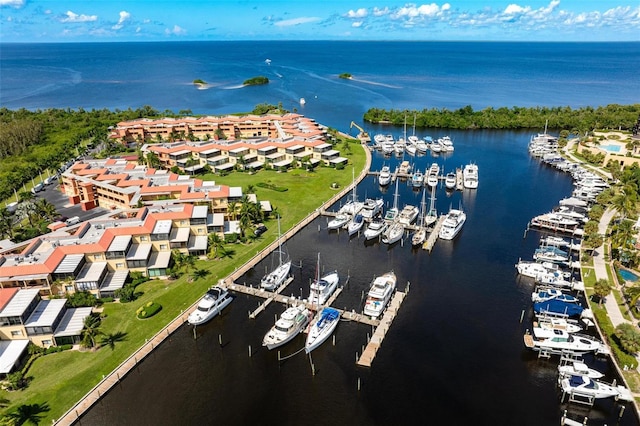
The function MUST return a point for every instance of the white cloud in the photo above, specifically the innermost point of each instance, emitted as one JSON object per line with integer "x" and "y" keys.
{"x": 514, "y": 9}
{"x": 356, "y": 24}
{"x": 380, "y": 12}
{"x": 124, "y": 16}
{"x": 296, "y": 21}
{"x": 176, "y": 30}
{"x": 360, "y": 13}
{"x": 12, "y": 3}
{"x": 74, "y": 17}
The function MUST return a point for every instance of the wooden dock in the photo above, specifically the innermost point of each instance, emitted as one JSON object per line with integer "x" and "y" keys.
{"x": 292, "y": 300}
{"x": 371, "y": 350}
{"x": 433, "y": 236}
{"x": 269, "y": 299}
{"x": 459, "y": 179}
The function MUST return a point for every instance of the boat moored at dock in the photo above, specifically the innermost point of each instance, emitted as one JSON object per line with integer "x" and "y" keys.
{"x": 214, "y": 301}
{"x": 291, "y": 323}
{"x": 322, "y": 326}
{"x": 379, "y": 294}
{"x": 452, "y": 224}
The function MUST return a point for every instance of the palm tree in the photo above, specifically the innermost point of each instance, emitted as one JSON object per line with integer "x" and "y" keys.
{"x": 232, "y": 210}
{"x": 90, "y": 331}
{"x": 601, "y": 288}
{"x": 28, "y": 413}
{"x": 46, "y": 209}
{"x": 112, "y": 338}
{"x": 200, "y": 273}
{"x": 26, "y": 196}
{"x": 216, "y": 244}
{"x": 623, "y": 234}
{"x": 6, "y": 223}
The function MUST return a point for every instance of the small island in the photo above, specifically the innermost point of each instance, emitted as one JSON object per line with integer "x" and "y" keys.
{"x": 346, "y": 75}
{"x": 200, "y": 84}
{"x": 255, "y": 81}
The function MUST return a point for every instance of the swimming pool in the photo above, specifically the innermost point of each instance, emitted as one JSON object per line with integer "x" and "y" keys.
{"x": 611, "y": 148}
{"x": 628, "y": 275}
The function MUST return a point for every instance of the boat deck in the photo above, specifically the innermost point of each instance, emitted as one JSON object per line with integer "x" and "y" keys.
{"x": 369, "y": 353}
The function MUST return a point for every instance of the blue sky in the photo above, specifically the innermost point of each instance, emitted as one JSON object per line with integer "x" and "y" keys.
{"x": 158, "y": 20}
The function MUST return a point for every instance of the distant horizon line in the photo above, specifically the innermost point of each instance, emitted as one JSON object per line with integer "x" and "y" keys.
{"x": 321, "y": 40}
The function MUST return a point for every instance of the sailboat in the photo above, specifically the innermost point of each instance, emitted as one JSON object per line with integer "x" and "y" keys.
{"x": 352, "y": 206}
{"x": 432, "y": 214}
{"x": 275, "y": 278}
{"x": 421, "y": 234}
{"x": 323, "y": 287}
{"x": 323, "y": 325}
{"x": 393, "y": 211}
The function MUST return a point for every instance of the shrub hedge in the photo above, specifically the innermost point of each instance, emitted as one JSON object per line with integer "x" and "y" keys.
{"x": 148, "y": 310}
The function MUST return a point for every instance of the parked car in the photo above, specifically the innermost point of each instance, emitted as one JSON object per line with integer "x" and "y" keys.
{"x": 260, "y": 229}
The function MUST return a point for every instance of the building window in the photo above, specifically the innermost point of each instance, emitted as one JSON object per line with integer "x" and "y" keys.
{"x": 98, "y": 257}
{"x": 163, "y": 246}
{"x": 144, "y": 238}
{"x": 16, "y": 333}
{"x": 119, "y": 265}
{"x": 46, "y": 343}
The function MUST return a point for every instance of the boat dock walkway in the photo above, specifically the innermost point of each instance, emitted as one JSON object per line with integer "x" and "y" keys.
{"x": 371, "y": 350}
{"x": 459, "y": 179}
{"x": 433, "y": 235}
{"x": 292, "y": 300}
{"x": 266, "y": 303}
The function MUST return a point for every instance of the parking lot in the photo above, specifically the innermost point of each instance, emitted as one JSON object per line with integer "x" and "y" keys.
{"x": 52, "y": 194}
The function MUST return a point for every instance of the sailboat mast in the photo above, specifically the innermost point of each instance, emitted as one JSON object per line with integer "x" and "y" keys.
{"x": 279, "y": 243}
{"x": 395, "y": 196}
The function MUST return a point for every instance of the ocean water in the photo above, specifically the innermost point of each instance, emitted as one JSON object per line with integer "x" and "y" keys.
{"x": 454, "y": 354}
{"x": 401, "y": 75}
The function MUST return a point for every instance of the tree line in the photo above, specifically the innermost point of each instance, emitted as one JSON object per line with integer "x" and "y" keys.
{"x": 611, "y": 117}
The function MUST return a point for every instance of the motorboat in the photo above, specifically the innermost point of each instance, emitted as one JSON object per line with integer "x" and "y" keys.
{"x": 560, "y": 342}
{"x": 545, "y": 294}
{"x": 433, "y": 175}
{"x": 556, "y": 279}
{"x": 588, "y": 388}
{"x": 408, "y": 215}
{"x": 452, "y": 224}
{"x": 576, "y": 367}
{"x": 213, "y": 301}
{"x": 551, "y": 254}
{"x": 291, "y": 323}
{"x": 450, "y": 181}
{"x": 405, "y": 168}
{"x": 323, "y": 287}
{"x": 556, "y": 323}
{"x": 555, "y": 222}
{"x": 393, "y": 234}
{"x": 399, "y": 147}
{"x": 421, "y": 146}
{"x": 384, "y": 178}
{"x": 375, "y": 228}
{"x": 356, "y": 224}
{"x": 417, "y": 180}
{"x": 372, "y": 207}
{"x": 470, "y": 176}
{"x": 410, "y": 147}
{"x": 553, "y": 306}
{"x": 339, "y": 221}
{"x": 323, "y": 325}
{"x": 435, "y": 146}
{"x": 379, "y": 294}
{"x": 277, "y": 276}
{"x": 534, "y": 269}
{"x": 446, "y": 143}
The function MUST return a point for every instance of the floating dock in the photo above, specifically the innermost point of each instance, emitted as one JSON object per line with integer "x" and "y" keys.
{"x": 369, "y": 353}
{"x": 433, "y": 236}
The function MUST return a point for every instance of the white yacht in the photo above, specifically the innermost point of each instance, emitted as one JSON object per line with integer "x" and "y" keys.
{"x": 384, "y": 178}
{"x": 352, "y": 206}
{"x": 393, "y": 211}
{"x": 276, "y": 277}
{"x": 323, "y": 287}
{"x": 291, "y": 323}
{"x": 405, "y": 168}
{"x": 561, "y": 342}
{"x": 586, "y": 387}
{"x": 576, "y": 367}
{"x": 452, "y": 224}
{"x": 446, "y": 143}
{"x": 556, "y": 323}
{"x": 393, "y": 234}
{"x": 375, "y": 228}
{"x": 214, "y": 301}
{"x": 420, "y": 235}
{"x": 470, "y": 176}
{"x": 450, "y": 181}
{"x": 379, "y": 294}
{"x": 555, "y": 222}
{"x": 535, "y": 269}
{"x": 339, "y": 221}
{"x": 372, "y": 207}
{"x": 417, "y": 179}
{"x": 323, "y": 325}
{"x": 408, "y": 215}
{"x": 421, "y": 146}
{"x": 433, "y": 175}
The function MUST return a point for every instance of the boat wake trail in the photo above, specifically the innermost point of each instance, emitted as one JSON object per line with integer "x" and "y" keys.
{"x": 237, "y": 86}
{"x": 390, "y": 86}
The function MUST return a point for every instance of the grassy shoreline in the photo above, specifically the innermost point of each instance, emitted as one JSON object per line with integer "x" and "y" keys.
{"x": 77, "y": 372}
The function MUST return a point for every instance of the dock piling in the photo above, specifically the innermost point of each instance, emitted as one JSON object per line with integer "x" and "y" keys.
{"x": 249, "y": 351}
{"x": 521, "y": 316}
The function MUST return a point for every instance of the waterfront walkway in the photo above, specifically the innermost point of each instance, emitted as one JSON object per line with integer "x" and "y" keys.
{"x": 74, "y": 413}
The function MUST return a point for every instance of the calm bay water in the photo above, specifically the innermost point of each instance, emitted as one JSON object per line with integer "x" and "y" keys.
{"x": 454, "y": 354}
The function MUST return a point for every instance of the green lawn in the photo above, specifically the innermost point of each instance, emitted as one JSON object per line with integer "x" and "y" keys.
{"x": 61, "y": 379}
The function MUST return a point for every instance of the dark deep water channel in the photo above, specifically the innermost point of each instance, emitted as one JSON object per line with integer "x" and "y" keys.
{"x": 454, "y": 354}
